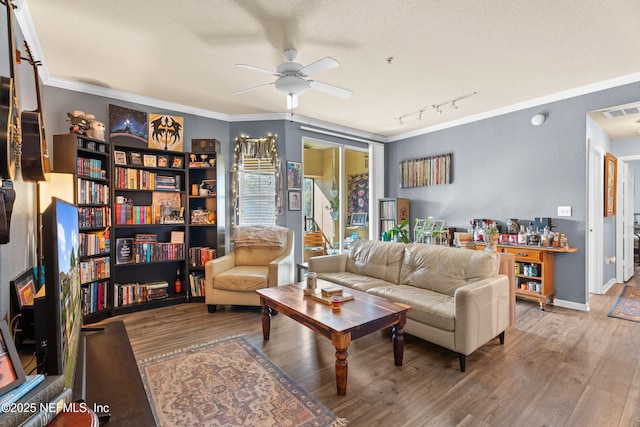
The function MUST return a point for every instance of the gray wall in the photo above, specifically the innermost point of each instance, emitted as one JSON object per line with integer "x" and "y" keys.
{"x": 504, "y": 167}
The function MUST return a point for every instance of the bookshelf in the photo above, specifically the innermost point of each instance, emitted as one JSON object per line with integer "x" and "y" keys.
{"x": 88, "y": 160}
{"x": 392, "y": 211}
{"x": 148, "y": 233}
{"x": 205, "y": 211}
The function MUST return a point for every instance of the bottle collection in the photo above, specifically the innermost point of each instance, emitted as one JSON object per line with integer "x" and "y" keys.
{"x": 537, "y": 233}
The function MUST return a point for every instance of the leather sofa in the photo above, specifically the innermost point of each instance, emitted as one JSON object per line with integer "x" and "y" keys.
{"x": 459, "y": 299}
{"x": 259, "y": 263}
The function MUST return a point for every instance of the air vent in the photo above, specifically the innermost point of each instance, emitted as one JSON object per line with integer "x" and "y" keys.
{"x": 619, "y": 112}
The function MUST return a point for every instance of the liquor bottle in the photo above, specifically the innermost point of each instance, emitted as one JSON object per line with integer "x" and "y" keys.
{"x": 178, "y": 282}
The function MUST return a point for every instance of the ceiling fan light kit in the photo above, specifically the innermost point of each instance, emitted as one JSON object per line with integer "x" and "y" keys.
{"x": 292, "y": 76}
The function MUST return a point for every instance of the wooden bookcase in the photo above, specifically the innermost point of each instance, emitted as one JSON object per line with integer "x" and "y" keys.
{"x": 89, "y": 161}
{"x": 149, "y": 198}
{"x": 392, "y": 211}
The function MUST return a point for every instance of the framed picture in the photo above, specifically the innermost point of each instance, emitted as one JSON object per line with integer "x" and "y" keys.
{"x": 136, "y": 159}
{"x": 150, "y": 160}
{"x": 24, "y": 288}
{"x": 165, "y": 132}
{"x": 11, "y": 372}
{"x": 120, "y": 157}
{"x": 295, "y": 200}
{"x": 177, "y": 162}
{"x": 610, "y": 182}
{"x": 359, "y": 220}
{"x": 163, "y": 161}
{"x": 294, "y": 175}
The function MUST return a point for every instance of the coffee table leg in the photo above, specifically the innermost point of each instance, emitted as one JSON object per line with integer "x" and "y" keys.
{"x": 398, "y": 339}
{"x": 266, "y": 320}
{"x": 341, "y": 343}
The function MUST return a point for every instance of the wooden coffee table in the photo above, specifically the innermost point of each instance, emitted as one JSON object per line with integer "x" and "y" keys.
{"x": 356, "y": 318}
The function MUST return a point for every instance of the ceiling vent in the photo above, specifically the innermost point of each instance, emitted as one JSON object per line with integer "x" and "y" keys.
{"x": 624, "y": 111}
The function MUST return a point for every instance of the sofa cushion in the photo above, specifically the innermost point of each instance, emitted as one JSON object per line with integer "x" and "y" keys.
{"x": 428, "y": 307}
{"x": 243, "y": 278}
{"x": 442, "y": 269}
{"x": 380, "y": 260}
{"x": 257, "y": 255}
{"x": 354, "y": 281}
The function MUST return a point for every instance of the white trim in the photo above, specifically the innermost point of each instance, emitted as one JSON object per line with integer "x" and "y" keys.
{"x": 570, "y": 304}
{"x": 582, "y": 90}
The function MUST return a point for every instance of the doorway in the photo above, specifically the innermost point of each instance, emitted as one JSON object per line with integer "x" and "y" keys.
{"x": 335, "y": 196}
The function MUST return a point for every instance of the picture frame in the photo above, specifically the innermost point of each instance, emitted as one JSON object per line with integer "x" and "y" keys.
{"x": 294, "y": 175}
{"x": 610, "y": 184}
{"x": 119, "y": 157}
{"x": 150, "y": 160}
{"x": 136, "y": 159}
{"x": 11, "y": 371}
{"x": 24, "y": 288}
{"x": 163, "y": 161}
{"x": 295, "y": 200}
{"x": 359, "y": 219}
{"x": 177, "y": 162}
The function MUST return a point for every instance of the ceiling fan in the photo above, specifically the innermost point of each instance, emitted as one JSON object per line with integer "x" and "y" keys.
{"x": 292, "y": 78}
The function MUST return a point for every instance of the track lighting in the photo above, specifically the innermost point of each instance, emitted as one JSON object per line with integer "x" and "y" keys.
{"x": 436, "y": 107}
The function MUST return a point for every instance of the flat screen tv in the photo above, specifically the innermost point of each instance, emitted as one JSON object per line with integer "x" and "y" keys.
{"x": 62, "y": 284}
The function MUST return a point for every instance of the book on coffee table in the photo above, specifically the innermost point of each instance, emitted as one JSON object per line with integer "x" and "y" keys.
{"x": 327, "y": 299}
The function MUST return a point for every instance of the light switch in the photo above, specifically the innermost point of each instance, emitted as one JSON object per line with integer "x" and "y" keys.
{"x": 564, "y": 210}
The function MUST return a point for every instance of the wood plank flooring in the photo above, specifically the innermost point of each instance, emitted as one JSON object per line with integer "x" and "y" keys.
{"x": 557, "y": 368}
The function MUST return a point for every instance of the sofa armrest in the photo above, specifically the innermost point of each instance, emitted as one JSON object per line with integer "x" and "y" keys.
{"x": 336, "y": 263}
{"x": 481, "y": 312}
{"x": 282, "y": 270}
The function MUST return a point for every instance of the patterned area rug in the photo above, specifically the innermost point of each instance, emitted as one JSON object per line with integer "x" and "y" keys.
{"x": 227, "y": 383}
{"x": 628, "y": 305}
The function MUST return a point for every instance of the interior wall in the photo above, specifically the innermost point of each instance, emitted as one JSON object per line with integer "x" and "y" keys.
{"x": 504, "y": 167}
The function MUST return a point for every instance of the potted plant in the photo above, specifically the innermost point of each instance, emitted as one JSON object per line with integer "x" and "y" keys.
{"x": 334, "y": 205}
{"x": 399, "y": 233}
{"x": 492, "y": 235}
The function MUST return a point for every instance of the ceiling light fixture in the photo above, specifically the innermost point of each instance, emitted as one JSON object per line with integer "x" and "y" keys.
{"x": 436, "y": 107}
{"x": 538, "y": 119}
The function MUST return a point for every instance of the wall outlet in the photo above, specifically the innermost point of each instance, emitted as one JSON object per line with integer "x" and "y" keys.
{"x": 564, "y": 210}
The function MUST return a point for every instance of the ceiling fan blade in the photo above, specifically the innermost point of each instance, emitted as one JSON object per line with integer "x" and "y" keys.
{"x": 262, "y": 70}
{"x": 252, "y": 88}
{"x": 330, "y": 89}
{"x": 292, "y": 102}
{"x": 324, "y": 64}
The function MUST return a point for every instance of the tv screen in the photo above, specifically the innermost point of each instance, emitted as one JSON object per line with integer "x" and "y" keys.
{"x": 62, "y": 285}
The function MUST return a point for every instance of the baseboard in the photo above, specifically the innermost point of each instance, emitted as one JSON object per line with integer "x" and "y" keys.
{"x": 570, "y": 304}
{"x": 608, "y": 285}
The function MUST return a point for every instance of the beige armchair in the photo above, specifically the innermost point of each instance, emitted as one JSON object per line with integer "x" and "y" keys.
{"x": 254, "y": 263}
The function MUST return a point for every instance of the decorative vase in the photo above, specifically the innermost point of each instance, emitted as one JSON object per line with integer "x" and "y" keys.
{"x": 492, "y": 242}
{"x": 334, "y": 215}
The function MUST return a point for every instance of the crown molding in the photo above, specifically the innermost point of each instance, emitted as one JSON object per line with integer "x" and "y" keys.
{"x": 582, "y": 90}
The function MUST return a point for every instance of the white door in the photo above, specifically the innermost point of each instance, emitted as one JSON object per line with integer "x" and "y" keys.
{"x": 595, "y": 256}
{"x": 627, "y": 227}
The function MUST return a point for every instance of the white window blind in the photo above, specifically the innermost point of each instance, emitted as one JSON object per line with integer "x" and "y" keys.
{"x": 257, "y": 192}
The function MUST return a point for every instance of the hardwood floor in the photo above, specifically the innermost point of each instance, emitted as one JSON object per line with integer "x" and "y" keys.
{"x": 557, "y": 368}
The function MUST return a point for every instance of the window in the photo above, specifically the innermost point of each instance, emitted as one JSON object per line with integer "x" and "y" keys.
{"x": 257, "y": 190}
{"x": 256, "y": 182}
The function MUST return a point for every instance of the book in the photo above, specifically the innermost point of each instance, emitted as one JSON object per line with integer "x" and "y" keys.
{"x": 49, "y": 410}
{"x": 14, "y": 395}
{"x": 327, "y": 299}
{"x": 124, "y": 250}
{"x": 331, "y": 290}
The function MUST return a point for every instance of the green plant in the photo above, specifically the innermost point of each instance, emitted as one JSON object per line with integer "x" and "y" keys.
{"x": 400, "y": 232}
{"x": 334, "y": 205}
{"x": 492, "y": 229}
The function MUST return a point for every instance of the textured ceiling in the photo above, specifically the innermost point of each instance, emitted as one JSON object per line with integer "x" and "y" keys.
{"x": 508, "y": 51}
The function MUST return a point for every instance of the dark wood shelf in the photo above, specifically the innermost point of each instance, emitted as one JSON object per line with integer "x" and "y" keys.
{"x": 138, "y": 306}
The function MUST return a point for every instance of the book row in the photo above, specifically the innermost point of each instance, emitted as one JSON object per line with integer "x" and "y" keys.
{"x": 94, "y": 297}
{"x": 92, "y": 193}
{"x": 138, "y": 179}
{"x": 130, "y": 251}
{"x": 95, "y": 243}
{"x": 91, "y": 145}
{"x": 126, "y": 213}
{"x": 91, "y": 168}
{"x": 132, "y": 293}
{"x": 95, "y": 269}
{"x": 198, "y": 256}
{"x": 94, "y": 217}
{"x": 196, "y": 283}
